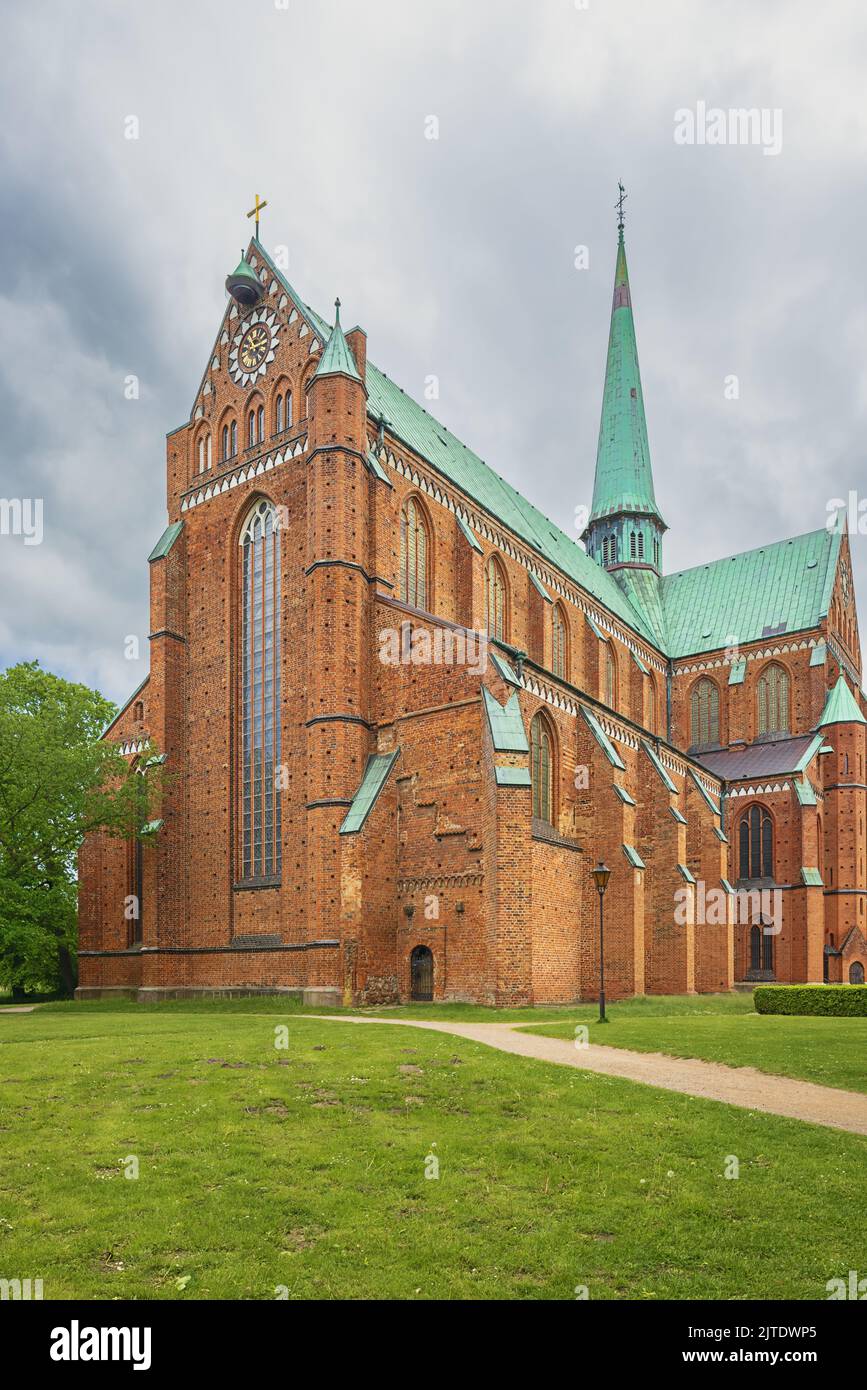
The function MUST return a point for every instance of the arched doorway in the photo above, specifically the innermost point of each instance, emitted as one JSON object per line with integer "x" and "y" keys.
{"x": 856, "y": 973}
{"x": 761, "y": 951}
{"x": 421, "y": 974}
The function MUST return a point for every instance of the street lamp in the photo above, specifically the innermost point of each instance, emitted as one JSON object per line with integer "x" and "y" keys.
{"x": 601, "y": 875}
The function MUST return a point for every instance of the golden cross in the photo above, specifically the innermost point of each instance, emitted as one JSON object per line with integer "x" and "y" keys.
{"x": 254, "y": 212}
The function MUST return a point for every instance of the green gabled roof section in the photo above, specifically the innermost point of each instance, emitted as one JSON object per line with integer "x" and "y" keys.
{"x": 505, "y": 723}
{"x": 685, "y": 873}
{"x": 818, "y": 654}
{"x": 754, "y": 596}
{"x": 125, "y": 706}
{"x": 337, "y": 358}
{"x": 634, "y": 857}
{"x": 166, "y": 541}
{"x": 623, "y": 794}
{"x": 377, "y": 469}
{"x": 727, "y": 887}
{"x": 512, "y": 777}
{"x": 468, "y": 535}
{"x": 738, "y": 671}
{"x": 805, "y": 792}
{"x": 654, "y": 758}
{"x": 841, "y": 706}
{"x": 810, "y": 754}
{"x": 602, "y": 739}
{"x": 678, "y": 815}
{"x": 376, "y": 772}
{"x": 624, "y": 480}
{"x": 811, "y": 877}
{"x": 642, "y": 588}
{"x": 705, "y": 795}
{"x": 502, "y": 666}
{"x": 540, "y": 588}
{"x": 721, "y": 836}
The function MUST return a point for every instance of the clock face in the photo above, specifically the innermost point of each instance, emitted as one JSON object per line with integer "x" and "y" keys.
{"x": 254, "y": 346}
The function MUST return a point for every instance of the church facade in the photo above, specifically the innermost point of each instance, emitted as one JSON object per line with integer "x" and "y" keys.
{"x": 404, "y": 715}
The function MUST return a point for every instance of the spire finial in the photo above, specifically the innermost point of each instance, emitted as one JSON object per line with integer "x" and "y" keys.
{"x": 619, "y": 206}
{"x": 337, "y": 311}
{"x": 254, "y": 212}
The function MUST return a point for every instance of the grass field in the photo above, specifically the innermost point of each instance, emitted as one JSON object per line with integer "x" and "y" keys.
{"x": 830, "y": 1051}
{"x": 262, "y": 1169}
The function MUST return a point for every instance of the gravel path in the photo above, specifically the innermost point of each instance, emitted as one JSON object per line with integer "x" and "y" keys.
{"x": 741, "y": 1086}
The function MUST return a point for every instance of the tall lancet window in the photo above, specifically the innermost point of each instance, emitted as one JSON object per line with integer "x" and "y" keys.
{"x": 260, "y": 693}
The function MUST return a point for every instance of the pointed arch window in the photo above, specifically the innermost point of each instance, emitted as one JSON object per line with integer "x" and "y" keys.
{"x": 251, "y": 428}
{"x": 559, "y": 646}
{"x": 772, "y": 697}
{"x": 542, "y": 769}
{"x": 278, "y": 415}
{"x": 259, "y": 682}
{"x": 202, "y": 454}
{"x": 414, "y": 550}
{"x": 641, "y": 545}
{"x": 260, "y": 422}
{"x": 756, "y": 844}
{"x": 225, "y": 446}
{"x": 704, "y": 713}
{"x": 610, "y": 677}
{"x": 233, "y": 439}
{"x": 495, "y": 599}
{"x": 633, "y": 545}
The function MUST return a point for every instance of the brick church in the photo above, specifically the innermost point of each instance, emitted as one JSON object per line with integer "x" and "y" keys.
{"x": 405, "y": 714}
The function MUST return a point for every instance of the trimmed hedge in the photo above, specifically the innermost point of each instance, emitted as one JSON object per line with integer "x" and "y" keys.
{"x": 841, "y": 1001}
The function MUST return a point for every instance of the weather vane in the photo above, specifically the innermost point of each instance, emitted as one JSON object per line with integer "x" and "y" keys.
{"x": 254, "y": 212}
{"x": 619, "y": 206}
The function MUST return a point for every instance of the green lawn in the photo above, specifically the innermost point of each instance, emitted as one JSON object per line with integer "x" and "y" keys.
{"x": 831, "y": 1051}
{"x": 305, "y": 1168}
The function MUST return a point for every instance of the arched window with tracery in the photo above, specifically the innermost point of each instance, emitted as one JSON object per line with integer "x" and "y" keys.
{"x": 704, "y": 713}
{"x": 414, "y": 552}
{"x": 259, "y": 689}
{"x": 495, "y": 599}
{"x": 542, "y": 768}
{"x": 772, "y": 697}
{"x": 559, "y": 643}
{"x": 756, "y": 844}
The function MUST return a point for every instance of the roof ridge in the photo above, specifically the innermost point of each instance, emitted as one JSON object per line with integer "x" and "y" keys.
{"x": 752, "y": 550}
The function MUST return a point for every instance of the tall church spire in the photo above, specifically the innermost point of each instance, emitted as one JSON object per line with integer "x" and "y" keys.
{"x": 625, "y": 526}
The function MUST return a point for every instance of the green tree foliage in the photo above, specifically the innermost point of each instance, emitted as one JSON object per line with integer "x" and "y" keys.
{"x": 57, "y": 782}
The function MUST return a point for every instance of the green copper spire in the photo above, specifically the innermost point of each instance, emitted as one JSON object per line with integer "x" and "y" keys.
{"x": 337, "y": 359}
{"x": 624, "y": 480}
{"x": 625, "y": 526}
{"x": 841, "y": 707}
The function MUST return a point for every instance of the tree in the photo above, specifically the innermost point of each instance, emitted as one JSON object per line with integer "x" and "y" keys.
{"x": 58, "y": 780}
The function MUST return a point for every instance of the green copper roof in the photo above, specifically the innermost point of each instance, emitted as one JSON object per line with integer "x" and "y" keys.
{"x": 468, "y": 535}
{"x": 763, "y": 593}
{"x": 654, "y": 758}
{"x": 786, "y": 586}
{"x": 624, "y": 481}
{"x": 166, "y": 541}
{"x": 678, "y": 815}
{"x": 706, "y": 798}
{"x": 841, "y": 707}
{"x": 805, "y": 793}
{"x": 376, "y": 772}
{"x": 337, "y": 359}
{"x": 505, "y": 670}
{"x": 512, "y": 777}
{"x": 244, "y": 268}
{"x": 634, "y": 857}
{"x": 602, "y": 739}
{"x": 506, "y": 724}
{"x": 685, "y": 873}
{"x": 623, "y": 794}
{"x": 811, "y": 877}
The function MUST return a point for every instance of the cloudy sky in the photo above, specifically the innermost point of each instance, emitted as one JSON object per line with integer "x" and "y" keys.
{"x": 457, "y": 254}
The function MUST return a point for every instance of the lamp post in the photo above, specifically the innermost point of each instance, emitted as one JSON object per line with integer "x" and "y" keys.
{"x": 601, "y": 875}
